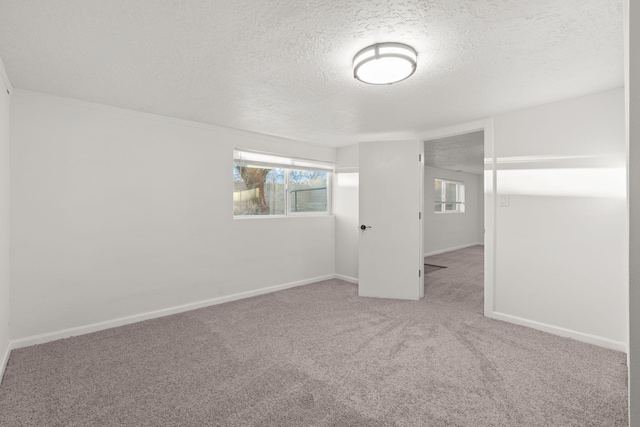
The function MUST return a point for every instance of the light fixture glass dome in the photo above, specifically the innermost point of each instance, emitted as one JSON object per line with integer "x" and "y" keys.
{"x": 384, "y": 63}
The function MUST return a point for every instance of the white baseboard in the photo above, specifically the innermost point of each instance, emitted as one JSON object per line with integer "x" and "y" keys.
{"x": 95, "y": 327}
{"x": 441, "y": 251}
{"x": 4, "y": 361}
{"x": 347, "y": 278}
{"x": 556, "y": 330}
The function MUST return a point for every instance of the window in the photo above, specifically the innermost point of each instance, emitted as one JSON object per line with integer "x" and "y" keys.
{"x": 449, "y": 196}
{"x": 265, "y": 184}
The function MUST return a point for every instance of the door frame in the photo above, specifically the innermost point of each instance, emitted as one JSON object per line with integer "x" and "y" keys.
{"x": 490, "y": 200}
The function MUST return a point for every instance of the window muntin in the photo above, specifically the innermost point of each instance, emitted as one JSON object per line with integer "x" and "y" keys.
{"x": 448, "y": 196}
{"x": 266, "y": 184}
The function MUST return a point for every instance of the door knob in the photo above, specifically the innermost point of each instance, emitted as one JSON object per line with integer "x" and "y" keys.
{"x": 364, "y": 227}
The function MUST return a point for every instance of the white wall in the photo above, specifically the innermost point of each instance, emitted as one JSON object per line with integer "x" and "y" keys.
{"x": 4, "y": 223}
{"x": 116, "y": 213}
{"x": 561, "y": 244}
{"x": 345, "y": 209}
{"x": 632, "y": 41}
{"x": 449, "y": 231}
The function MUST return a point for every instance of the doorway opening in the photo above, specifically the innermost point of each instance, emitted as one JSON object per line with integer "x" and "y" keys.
{"x": 454, "y": 217}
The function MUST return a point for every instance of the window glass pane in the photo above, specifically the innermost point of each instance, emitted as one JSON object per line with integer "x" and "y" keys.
{"x": 268, "y": 184}
{"x": 438, "y": 192}
{"x": 258, "y": 191}
{"x": 307, "y": 191}
{"x": 438, "y": 207}
{"x": 451, "y": 190}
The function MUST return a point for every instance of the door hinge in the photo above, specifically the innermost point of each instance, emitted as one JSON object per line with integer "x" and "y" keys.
{"x": 419, "y": 215}
{"x": 419, "y": 273}
{"x": 419, "y": 157}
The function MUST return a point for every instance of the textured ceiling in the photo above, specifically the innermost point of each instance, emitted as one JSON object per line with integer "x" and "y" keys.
{"x": 463, "y": 153}
{"x": 283, "y": 67}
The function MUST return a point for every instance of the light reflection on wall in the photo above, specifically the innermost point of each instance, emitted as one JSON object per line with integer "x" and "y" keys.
{"x": 348, "y": 179}
{"x": 558, "y": 176}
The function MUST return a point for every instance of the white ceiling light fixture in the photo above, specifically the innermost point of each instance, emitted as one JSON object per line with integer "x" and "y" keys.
{"x": 384, "y": 63}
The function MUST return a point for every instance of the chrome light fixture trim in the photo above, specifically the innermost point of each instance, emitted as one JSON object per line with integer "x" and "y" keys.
{"x": 385, "y": 63}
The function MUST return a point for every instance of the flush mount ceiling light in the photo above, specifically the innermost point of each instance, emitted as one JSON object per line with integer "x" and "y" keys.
{"x": 384, "y": 63}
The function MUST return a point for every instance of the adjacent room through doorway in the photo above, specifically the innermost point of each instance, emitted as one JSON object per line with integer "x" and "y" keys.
{"x": 453, "y": 222}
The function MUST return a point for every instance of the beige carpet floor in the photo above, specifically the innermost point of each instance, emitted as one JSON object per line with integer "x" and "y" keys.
{"x": 318, "y": 355}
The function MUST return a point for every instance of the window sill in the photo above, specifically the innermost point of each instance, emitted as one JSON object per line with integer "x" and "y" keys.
{"x": 447, "y": 213}
{"x": 293, "y": 215}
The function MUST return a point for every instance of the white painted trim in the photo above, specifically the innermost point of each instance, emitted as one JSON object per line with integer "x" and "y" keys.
{"x": 5, "y": 78}
{"x": 23, "y": 93}
{"x": 563, "y": 332}
{"x": 5, "y": 357}
{"x": 490, "y": 222}
{"x": 347, "y": 278}
{"x": 455, "y": 248}
{"x": 347, "y": 169}
{"x": 95, "y": 327}
{"x": 421, "y": 221}
{"x": 5, "y": 360}
{"x": 489, "y": 197}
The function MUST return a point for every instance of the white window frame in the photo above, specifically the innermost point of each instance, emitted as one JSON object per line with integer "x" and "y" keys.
{"x": 262, "y": 159}
{"x": 460, "y": 196}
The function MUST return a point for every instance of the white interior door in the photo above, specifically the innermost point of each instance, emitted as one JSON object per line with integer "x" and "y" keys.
{"x": 391, "y": 262}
